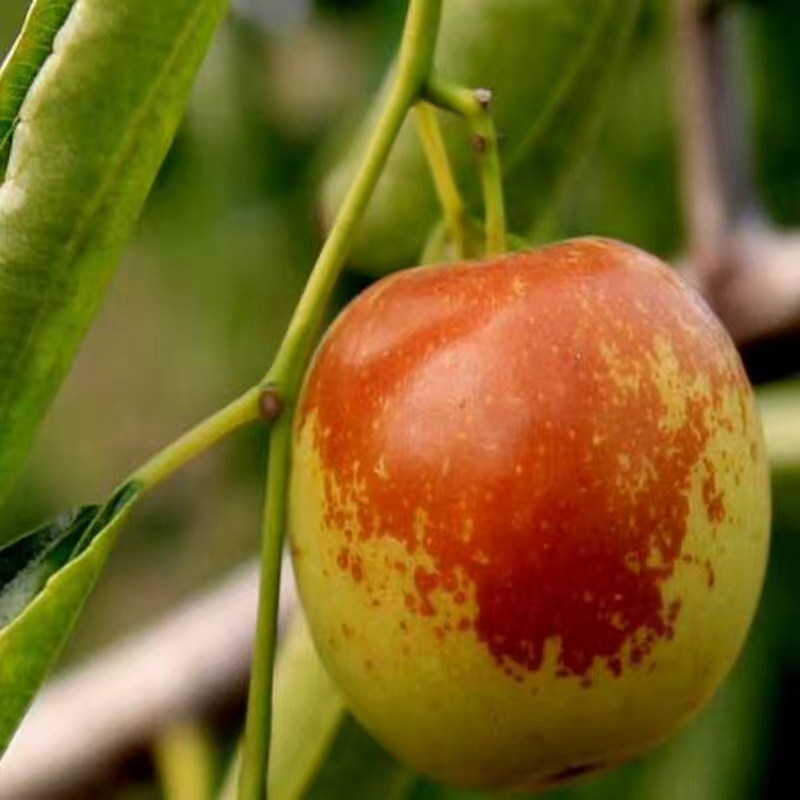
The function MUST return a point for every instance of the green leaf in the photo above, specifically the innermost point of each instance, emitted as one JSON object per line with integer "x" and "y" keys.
{"x": 33, "y": 46}
{"x": 779, "y": 405}
{"x": 26, "y": 564}
{"x": 319, "y": 751}
{"x": 309, "y": 711}
{"x": 358, "y": 768}
{"x": 45, "y": 579}
{"x": 89, "y": 135}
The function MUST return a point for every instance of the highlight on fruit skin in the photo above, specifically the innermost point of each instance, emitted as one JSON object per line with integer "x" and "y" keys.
{"x": 529, "y": 511}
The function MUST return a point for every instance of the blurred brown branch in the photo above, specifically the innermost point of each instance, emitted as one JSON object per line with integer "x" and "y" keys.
{"x": 756, "y": 287}
{"x": 748, "y": 270}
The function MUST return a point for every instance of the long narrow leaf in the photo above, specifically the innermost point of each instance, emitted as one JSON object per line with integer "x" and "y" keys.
{"x": 26, "y": 564}
{"x": 319, "y": 751}
{"x": 32, "y": 48}
{"x": 87, "y": 137}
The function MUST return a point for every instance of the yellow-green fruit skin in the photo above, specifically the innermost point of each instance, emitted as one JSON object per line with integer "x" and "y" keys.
{"x": 529, "y": 511}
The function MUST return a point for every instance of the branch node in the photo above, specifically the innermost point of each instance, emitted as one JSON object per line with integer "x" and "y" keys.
{"x": 270, "y": 404}
{"x": 479, "y": 143}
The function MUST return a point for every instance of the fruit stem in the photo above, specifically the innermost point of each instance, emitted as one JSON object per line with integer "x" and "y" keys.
{"x": 475, "y": 106}
{"x": 240, "y": 412}
{"x": 433, "y": 144}
{"x": 258, "y": 729}
{"x": 413, "y": 68}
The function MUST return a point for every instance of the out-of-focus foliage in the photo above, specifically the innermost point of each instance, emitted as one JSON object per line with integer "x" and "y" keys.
{"x": 220, "y": 257}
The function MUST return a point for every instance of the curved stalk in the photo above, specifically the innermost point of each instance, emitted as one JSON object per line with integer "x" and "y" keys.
{"x": 453, "y": 208}
{"x": 474, "y": 105}
{"x": 240, "y": 412}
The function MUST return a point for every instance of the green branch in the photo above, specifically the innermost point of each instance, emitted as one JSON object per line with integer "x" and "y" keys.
{"x": 474, "y": 105}
{"x": 255, "y": 755}
{"x": 453, "y": 207}
{"x": 240, "y": 412}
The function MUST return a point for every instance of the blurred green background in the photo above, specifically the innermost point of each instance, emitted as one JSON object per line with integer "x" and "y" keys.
{"x": 220, "y": 256}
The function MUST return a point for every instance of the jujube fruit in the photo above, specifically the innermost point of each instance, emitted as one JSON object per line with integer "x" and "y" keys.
{"x": 529, "y": 511}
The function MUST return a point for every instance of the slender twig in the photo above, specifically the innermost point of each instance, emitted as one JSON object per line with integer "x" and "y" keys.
{"x": 453, "y": 207}
{"x": 474, "y": 105}
{"x": 240, "y": 412}
{"x": 255, "y": 755}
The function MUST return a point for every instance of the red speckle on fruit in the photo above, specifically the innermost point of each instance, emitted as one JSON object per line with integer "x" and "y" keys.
{"x": 426, "y": 582}
{"x": 712, "y": 496}
{"x": 571, "y": 393}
